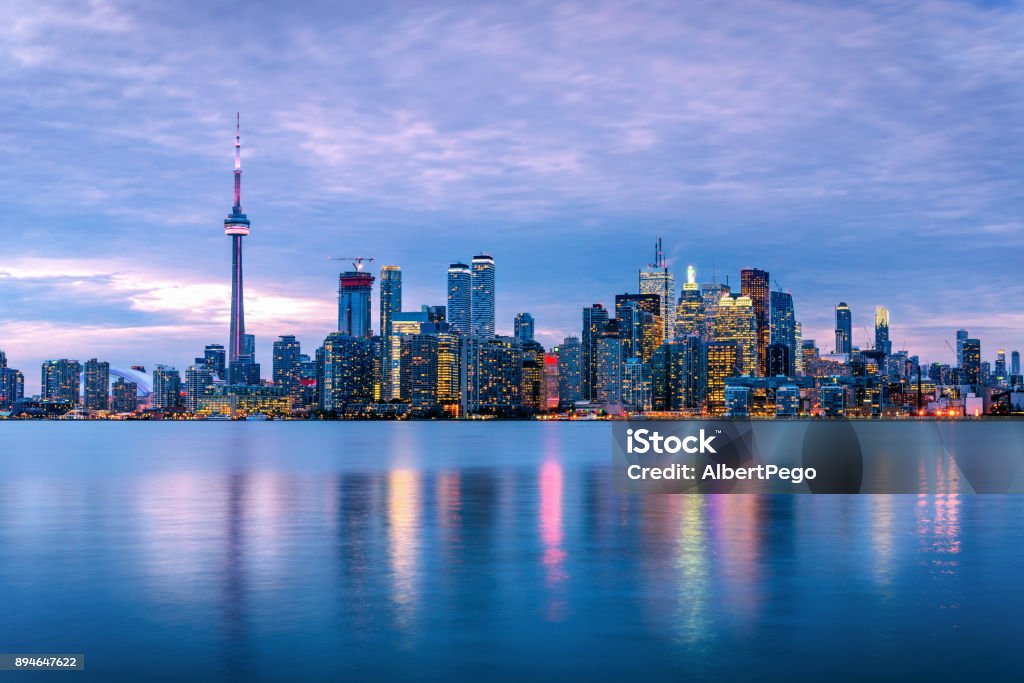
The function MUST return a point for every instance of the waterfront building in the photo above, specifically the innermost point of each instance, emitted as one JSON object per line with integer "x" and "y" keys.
{"x": 240, "y": 400}
{"x": 347, "y": 374}
{"x": 833, "y": 400}
{"x": 494, "y": 375}
{"x": 737, "y": 401}
{"x": 533, "y": 374}
{"x": 787, "y": 401}
{"x": 198, "y": 383}
{"x": 687, "y": 377}
{"x": 166, "y": 387}
{"x": 97, "y": 385}
{"x": 595, "y": 322}
{"x": 12, "y": 387}
{"x": 549, "y": 383}
{"x": 459, "y": 297}
{"x": 420, "y": 355}
{"x": 390, "y": 303}
{"x": 125, "y": 396}
{"x": 288, "y": 365}
{"x": 609, "y": 369}
{"x": 60, "y": 380}
{"x": 570, "y": 372}
{"x": 451, "y": 373}
{"x": 482, "y": 301}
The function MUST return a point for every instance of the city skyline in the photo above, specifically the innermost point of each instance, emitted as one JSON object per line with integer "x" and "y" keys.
{"x": 734, "y": 164}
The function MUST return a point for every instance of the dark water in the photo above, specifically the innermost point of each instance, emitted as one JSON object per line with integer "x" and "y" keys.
{"x": 420, "y": 551}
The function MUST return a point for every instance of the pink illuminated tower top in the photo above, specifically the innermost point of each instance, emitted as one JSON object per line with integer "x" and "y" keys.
{"x": 237, "y": 223}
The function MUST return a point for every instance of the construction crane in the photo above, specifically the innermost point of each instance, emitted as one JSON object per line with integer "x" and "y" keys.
{"x": 779, "y": 285}
{"x": 357, "y": 261}
{"x": 867, "y": 335}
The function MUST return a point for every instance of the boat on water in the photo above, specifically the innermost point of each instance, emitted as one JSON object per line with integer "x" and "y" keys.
{"x": 256, "y": 417}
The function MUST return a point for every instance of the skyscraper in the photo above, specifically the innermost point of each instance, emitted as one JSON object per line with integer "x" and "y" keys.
{"x": 783, "y": 329}
{"x": 882, "y": 342}
{"x": 97, "y": 385}
{"x": 972, "y": 362}
{"x": 712, "y": 293}
{"x": 236, "y": 225}
{"x": 756, "y": 284}
{"x": 166, "y": 387}
{"x": 198, "y": 383}
{"x": 354, "y": 290}
{"x": 482, "y": 302}
{"x": 125, "y": 396}
{"x": 723, "y": 360}
{"x": 1000, "y": 367}
{"x": 523, "y": 325}
{"x": 690, "y": 309}
{"x": 657, "y": 279}
{"x": 736, "y": 322}
{"x": 570, "y": 379}
{"x": 595, "y": 319}
{"x": 1015, "y": 362}
{"x": 640, "y": 324}
{"x": 844, "y": 328}
{"x": 287, "y": 370}
{"x": 390, "y": 303}
{"x": 460, "y": 295}
{"x": 961, "y": 337}
{"x": 347, "y": 371}
{"x": 61, "y": 380}
{"x": 214, "y": 357}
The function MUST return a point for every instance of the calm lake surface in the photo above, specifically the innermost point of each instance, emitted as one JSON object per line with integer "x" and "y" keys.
{"x": 491, "y": 551}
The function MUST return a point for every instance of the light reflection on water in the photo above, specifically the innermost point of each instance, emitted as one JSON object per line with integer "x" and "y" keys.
{"x": 405, "y": 548}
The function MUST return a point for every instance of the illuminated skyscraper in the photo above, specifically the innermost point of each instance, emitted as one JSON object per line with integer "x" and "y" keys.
{"x": 570, "y": 372}
{"x": 166, "y": 387}
{"x": 844, "y": 328}
{"x": 494, "y": 375}
{"x": 97, "y": 385}
{"x": 198, "y": 383}
{"x": 482, "y": 303}
{"x": 354, "y": 291}
{"x": 640, "y": 324}
{"x": 1000, "y": 367}
{"x": 347, "y": 372}
{"x": 549, "y": 383}
{"x": 756, "y": 284}
{"x": 214, "y": 357}
{"x": 421, "y": 354}
{"x": 1015, "y": 362}
{"x": 798, "y": 362}
{"x": 390, "y": 303}
{"x": 609, "y": 369}
{"x": 236, "y": 225}
{"x": 882, "y": 342}
{"x": 125, "y": 396}
{"x": 712, "y": 293}
{"x": 523, "y": 326}
{"x": 690, "y": 309}
{"x": 687, "y": 375}
{"x": 288, "y": 365}
{"x": 657, "y": 279}
{"x": 460, "y": 294}
{"x": 736, "y": 322}
{"x": 451, "y": 373}
{"x": 61, "y": 380}
{"x": 783, "y": 329}
{"x": 972, "y": 362}
{"x": 595, "y": 320}
{"x": 723, "y": 360}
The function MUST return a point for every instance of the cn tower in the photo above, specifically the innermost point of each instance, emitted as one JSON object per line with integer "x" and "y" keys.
{"x": 237, "y": 226}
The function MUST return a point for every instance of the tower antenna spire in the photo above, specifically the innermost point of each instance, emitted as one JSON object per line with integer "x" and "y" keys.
{"x": 238, "y": 162}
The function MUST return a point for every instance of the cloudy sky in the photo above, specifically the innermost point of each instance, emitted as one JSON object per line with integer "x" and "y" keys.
{"x": 871, "y": 153}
